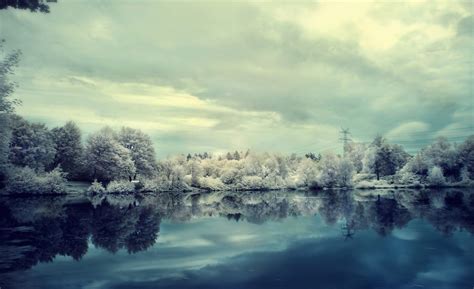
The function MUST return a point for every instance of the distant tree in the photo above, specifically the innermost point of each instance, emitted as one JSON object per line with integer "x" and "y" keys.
{"x": 188, "y": 157}
{"x": 229, "y": 156}
{"x": 196, "y": 172}
{"x": 141, "y": 149}
{"x": 236, "y": 156}
{"x": 69, "y": 150}
{"x": 329, "y": 170}
{"x": 311, "y": 156}
{"x": 346, "y": 170}
{"x": 32, "y": 5}
{"x": 31, "y": 144}
{"x": 106, "y": 159}
{"x": 355, "y": 152}
{"x": 466, "y": 155}
{"x": 384, "y": 159}
{"x": 441, "y": 153}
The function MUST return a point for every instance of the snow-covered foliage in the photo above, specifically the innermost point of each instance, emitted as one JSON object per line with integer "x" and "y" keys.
{"x": 119, "y": 157}
{"x": 141, "y": 150}
{"x": 25, "y": 180}
{"x": 435, "y": 177}
{"x": 106, "y": 159}
{"x": 96, "y": 188}
{"x": 31, "y": 144}
{"x": 120, "y": 187}
{"x": 448, "y": 158}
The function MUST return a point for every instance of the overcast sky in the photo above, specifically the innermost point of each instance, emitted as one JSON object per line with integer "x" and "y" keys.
{"x": 215, "y": 76}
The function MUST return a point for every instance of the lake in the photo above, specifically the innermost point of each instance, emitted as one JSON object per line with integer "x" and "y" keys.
{"x": 327, "y": 239}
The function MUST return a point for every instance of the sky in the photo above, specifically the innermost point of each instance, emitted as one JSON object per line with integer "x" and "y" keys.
{"x": 267, "y": 76}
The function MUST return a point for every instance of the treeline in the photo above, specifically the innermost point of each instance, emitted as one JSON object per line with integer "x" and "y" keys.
{"x": 39, "y": 160}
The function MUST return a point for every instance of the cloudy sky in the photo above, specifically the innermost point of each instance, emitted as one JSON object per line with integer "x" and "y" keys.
{"x": 215, "y": 76}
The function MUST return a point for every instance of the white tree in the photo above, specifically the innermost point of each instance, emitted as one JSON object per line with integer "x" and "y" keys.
{"x": 31, "y": 144}
{"x": 141, "y": 149}
{"x": 328, "y": 170}
{"x": 106, "y": 158}
{"x": 346, "y": 170}
{"x": 436, "y": 177}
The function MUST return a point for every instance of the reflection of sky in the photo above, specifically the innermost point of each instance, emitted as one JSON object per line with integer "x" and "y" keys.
{"x": 293, "y": 253}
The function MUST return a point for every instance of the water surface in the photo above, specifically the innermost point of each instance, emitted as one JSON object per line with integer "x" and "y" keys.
{"x": 330, "y": 239}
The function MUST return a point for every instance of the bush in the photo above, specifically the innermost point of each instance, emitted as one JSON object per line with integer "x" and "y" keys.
{"x": 212, "y": 184}
{"x": 120, "y": 187}
{"x": 435, "y": 177}
{"x": 54, "y": 181}
{"x": 251, "y": 183}
{"x": 27, "y": 181}
{"x": 96, "y": 188}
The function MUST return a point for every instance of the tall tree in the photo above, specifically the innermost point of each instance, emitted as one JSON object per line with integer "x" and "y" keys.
{"x": 141, "y": 149}
{"x": 31, "y": 144}
{"x": 69, "y": 150}
{"x": 106, "y": 159}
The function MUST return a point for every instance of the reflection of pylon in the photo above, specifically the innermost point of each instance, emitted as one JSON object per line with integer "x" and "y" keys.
{"x": 345, "y": 138}
{"x": 348, "y": 230}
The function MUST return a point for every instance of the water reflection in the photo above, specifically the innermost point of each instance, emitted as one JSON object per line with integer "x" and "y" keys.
{"x": 35, "y": 230}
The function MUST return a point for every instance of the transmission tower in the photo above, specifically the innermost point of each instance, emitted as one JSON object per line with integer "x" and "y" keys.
{"x": 345, "y": 138}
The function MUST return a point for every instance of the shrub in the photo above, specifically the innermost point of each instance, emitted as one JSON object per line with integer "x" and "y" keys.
{"x": 251, "y": 183}
{"x": 435, "y": 177}
{"x": 210, "y": 183}
{"x": 27, "y": 181}
{"x": 96, "y": 188}
{"x": 120, "y": 187}
{"x": 54, "y": 181}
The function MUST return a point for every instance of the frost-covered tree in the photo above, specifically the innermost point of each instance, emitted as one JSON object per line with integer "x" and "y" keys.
{"x": 356, "y": 152}
{"x": 436, "y": 177}
{"x": 106, "y": 159}
{"x": 384, "y": 159}
{"x": 346, "y": 170}
{"x": 69, "y": 149}
{"x": 440, "y": 153}
{"x": 196, "y": 172}
{"x": 31, "y": 144}
{"x": 328, "y": 170}
{"x": 466, "y": 156}
{"x": 141, "y": 148}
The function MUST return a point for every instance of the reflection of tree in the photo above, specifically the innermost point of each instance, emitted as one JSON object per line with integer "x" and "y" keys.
{"x": 335, "y": 204}
{"x": 146, "y": 231}
{"x": 38, "y": 229}
{"x": 76, "y": 228}
{"x": 387, "y": 214}
{"x": 112, "y": 225}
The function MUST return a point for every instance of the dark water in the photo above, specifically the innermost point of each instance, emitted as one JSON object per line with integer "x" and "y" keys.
{"x": 402, "y": 239}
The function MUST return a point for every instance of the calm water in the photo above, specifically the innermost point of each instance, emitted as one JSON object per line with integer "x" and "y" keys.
{"x": 403, "y": 239}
